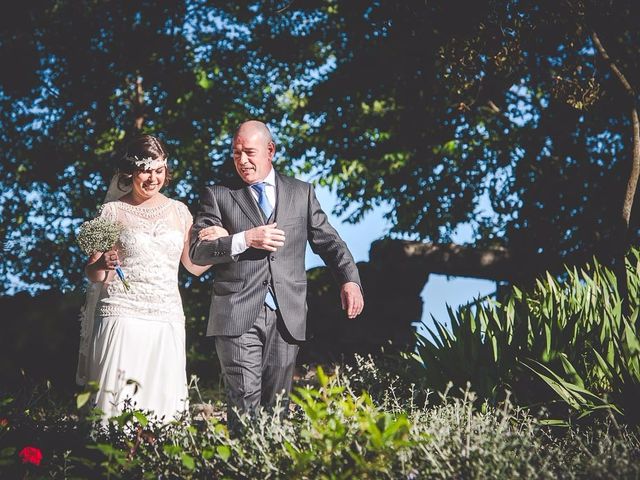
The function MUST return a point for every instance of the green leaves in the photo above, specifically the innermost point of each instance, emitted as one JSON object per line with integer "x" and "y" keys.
{"x": 203, "y": 80}
{"x": 570, "y": 334}
{"x": 224, "y": 452}
{"x": 7, "y": 456}
{"x": 188, "y": 461}
{"x": 142, "y": 419}
{"x": 83, "y": 397}
{"x": 345, "y": 433}
{"x": 578, "y": 398}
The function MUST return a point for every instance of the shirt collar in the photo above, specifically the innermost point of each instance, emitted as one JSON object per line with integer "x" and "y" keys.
{"x": 270, "y": 179}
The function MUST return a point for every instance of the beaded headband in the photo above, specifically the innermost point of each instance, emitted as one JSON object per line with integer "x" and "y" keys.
{"x": 146, "y": 163}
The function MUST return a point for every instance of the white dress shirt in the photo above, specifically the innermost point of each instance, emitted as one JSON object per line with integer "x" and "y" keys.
{"x": 238, "y": 241}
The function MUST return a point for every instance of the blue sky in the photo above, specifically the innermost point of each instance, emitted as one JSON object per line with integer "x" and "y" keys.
{"x": 439, "y": 290}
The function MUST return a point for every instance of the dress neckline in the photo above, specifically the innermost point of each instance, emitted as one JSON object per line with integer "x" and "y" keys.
{"x": 147, "y": 212}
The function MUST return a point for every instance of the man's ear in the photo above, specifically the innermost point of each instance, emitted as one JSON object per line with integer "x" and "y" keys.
{"x": 271, "y": 149}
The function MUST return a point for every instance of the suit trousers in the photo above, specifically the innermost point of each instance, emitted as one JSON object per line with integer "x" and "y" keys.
{"x": 257, "y": 366}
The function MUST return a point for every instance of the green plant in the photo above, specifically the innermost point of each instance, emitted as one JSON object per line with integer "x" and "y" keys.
{"x": 335, "y": 430}
{"x": 347, "y": 436}
{"x": 570, "y": 325}
{"x": 619, "y": 366}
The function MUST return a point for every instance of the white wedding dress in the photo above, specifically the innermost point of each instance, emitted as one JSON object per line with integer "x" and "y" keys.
{"x": 137, "y": 346}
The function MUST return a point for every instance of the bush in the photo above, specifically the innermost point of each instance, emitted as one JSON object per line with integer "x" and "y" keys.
{"x": 574, "y": 326}
{"x": 335, "y": 431}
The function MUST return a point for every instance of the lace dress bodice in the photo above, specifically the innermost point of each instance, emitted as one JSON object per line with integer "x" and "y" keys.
{"x": 149, "y": 249}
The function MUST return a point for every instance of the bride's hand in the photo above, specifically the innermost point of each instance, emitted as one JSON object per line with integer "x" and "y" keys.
{"x": 109, "y": 260}
{"x": 212, "y": 233}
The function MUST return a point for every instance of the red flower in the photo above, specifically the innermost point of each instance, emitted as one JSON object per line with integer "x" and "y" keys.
{"x": 30, "y": 455}
{"x": 4, "y": 422}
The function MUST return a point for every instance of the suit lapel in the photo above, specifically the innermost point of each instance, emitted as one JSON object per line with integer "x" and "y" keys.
{"x": 284, "y": 197}
{"x": 248, "y": 205}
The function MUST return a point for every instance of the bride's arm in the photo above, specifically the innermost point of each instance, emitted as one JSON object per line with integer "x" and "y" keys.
{"x": 99, "y": 268}
{"x": 211, "y": 234}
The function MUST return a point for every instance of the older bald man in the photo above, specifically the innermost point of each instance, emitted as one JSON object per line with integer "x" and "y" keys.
{"x": 258, "y": 306}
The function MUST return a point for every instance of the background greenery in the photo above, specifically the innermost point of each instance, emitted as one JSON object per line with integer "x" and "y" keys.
{"x": 507, "y": 117}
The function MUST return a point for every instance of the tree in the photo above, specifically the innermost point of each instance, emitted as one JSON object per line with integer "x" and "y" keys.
{"x": 437, "y": 113}
{"x": 501, "y": 113}
{"x": 86, "y": 76}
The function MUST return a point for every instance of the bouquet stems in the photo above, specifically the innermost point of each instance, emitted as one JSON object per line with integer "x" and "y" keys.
{"x": 120, "y": 274}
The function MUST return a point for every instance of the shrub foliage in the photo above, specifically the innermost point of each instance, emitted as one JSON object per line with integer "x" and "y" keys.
{"x": 336, "y": 431}
{"x": 569, "y": 334}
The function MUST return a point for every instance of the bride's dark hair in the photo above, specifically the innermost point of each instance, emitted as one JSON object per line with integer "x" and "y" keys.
{"x": 144, "y": 146}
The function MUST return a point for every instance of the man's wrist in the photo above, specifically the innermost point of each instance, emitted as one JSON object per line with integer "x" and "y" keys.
{"x": 353, "y": 283}
{"x": 239, "y": 243}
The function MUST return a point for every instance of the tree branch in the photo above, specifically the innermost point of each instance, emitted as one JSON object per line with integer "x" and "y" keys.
{"x": 446, "y": 259}
{"x": 614, "y": 68}
{"x": 138, "y": 106}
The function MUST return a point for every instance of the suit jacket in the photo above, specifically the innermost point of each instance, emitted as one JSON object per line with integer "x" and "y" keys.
{"x": 241, "y": 283}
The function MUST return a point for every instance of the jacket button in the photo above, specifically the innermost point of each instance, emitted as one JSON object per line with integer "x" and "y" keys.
{"x": 273, "y": 258}
{"x": 265, "y": 283}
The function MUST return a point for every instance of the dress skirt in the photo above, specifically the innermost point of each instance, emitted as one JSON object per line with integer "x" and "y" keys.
{"x": 141, "y": 363}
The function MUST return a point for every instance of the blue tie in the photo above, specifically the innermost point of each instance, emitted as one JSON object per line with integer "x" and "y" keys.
{"x": 267, "y": 209}
{"x": 263, "y": 201}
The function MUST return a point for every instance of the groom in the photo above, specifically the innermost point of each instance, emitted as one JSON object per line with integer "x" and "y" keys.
{"x": 258, "y": 307}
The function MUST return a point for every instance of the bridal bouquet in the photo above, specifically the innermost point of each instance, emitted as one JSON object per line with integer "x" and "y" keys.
{"x": 100, "y": 235}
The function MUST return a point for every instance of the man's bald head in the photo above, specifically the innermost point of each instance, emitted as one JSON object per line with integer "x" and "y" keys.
{"x": 252, "y": 127}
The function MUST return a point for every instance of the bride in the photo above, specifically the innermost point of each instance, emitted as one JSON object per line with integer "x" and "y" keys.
{"x": 133, "y": 340}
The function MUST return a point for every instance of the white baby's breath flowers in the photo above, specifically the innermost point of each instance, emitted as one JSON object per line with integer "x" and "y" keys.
{"x": 98, "y": 235}
{"x": 101, "y": 235}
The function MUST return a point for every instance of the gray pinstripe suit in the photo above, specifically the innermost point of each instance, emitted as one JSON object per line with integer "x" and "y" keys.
{"x": 237, "y": 306}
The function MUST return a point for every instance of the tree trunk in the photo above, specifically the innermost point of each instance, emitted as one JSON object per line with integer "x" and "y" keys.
{"x": 622, "y": 240}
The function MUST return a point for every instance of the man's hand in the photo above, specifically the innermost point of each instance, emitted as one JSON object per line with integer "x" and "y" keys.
{"x": 212, "y": 233}
{"x": 265, "y": 237}
{"x": 351, "y": 297}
